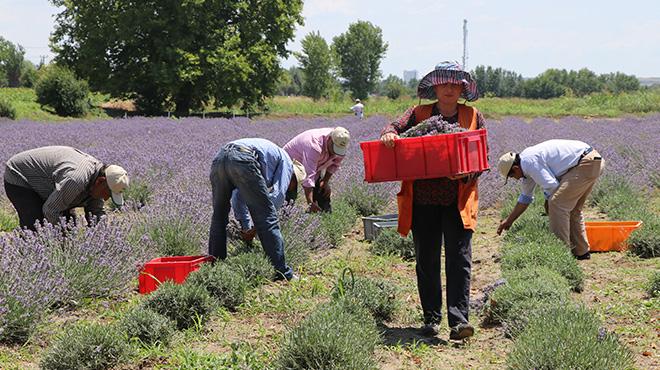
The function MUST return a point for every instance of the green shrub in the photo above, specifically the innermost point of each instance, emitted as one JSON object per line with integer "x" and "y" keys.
{"x": 654, "y": 285}
{"x": 567, "y": 338}
{"x": 186, "y": 304}
{"x": 526, "y": 291}
{"x": 60, "y": 89}
{"x": 8, "y": 219}
{"x": 338, "y": 222}
{"x": 547, "y": 252}
{"x": 18, "y": 320}
{"x": 332, "y": 337}
{"x": 86, "y": 346}
{"x": 366, "y": 199}
{"x": 226, "y": 285}
{"x": 147, "y": 326}
{"x": 7, "y": 109}
{"x": 389, "y": 242}
{"x": 645, "y": 241}
{"x": 254, "y": 266}
{"x": 378, "y": 296}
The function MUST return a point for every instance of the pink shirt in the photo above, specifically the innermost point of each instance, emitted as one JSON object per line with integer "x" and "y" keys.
{"x": 311, "y": 149}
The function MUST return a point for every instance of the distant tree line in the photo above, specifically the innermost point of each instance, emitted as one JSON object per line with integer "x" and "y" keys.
{"x": 550, "y": 84}
{"x": 15, "y": 70}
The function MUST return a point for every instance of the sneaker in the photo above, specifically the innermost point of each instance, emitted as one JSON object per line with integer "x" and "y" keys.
{"x": 429, "y": 330}
{"x": 294, "y": 277}
{"x": 586, "y": 256}
{"x": 461, "y": 331}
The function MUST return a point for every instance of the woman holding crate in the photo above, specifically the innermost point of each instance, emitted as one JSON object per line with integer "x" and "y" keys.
{"x": 441, "y": 208}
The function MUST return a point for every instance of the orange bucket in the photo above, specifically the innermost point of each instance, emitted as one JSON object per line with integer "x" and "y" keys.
{"x": 607, "y": 236}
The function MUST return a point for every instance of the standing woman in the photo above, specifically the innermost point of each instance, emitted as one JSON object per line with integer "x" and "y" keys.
{"x": 441, "y": 208}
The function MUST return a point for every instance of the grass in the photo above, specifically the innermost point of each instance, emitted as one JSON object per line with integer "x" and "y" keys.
{"x": 595, "y": 105}
{"x": 27, "y": 108}
{"x": 615, "y": 288}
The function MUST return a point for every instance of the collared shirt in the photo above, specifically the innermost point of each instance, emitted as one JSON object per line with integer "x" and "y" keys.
{"x": 544, "y": 164}
{"x": 439, "y": 191}
{"x": 61, "y": 175}
{"x": 276, "y": 168}
{"x": 311, "y": 148}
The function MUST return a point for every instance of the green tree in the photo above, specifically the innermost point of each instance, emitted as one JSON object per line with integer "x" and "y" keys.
{"x": 290, "y": 82}
{"x": 497, "y": 81}
{"x": 315, "y": 60}
{"x": 186, "y": 53}
{"x": 11, "y": 63}
{"x": 358, "y": 52}
{"x": 619, "y": 82}
{"x": 393, "y": 87}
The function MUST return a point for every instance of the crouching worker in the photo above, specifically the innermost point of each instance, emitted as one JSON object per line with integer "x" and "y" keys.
{"x": 262, "y": 173}
{"x": 566, "y": 170}
{"x": 49, "y": 182}
{"x": 320, "y": 151}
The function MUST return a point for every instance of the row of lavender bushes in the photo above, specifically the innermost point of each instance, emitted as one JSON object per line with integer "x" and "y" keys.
{"x": 534, "y": 306}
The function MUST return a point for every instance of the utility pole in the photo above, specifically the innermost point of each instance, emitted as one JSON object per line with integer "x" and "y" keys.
{"x": 465, "y": 44}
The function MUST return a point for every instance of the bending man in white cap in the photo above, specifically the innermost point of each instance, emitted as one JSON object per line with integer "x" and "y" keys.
{"x": 566, "y": 170}
{"x": 49, "y": 182}
{"x": 262, "y": 173}
{"x": 321, "y": 152}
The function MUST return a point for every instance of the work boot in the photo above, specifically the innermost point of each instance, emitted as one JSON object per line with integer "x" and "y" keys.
{"x": 586, "y": 256}
{"x": 461, "y": 331}
{"x": 429, "y": 330}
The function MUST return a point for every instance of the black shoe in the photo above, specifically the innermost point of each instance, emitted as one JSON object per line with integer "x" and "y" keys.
{"x": 461, "y": 331}
{"x": 429, "y": 330}
{"x": 586, "y": 256}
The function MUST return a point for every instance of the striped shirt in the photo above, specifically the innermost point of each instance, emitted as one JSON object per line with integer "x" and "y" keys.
{"x": 61, "y": 175}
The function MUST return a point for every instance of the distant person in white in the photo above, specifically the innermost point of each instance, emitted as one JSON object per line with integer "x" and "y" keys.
{"x": 358, "y": 109}
{"x": 566, "y": 171}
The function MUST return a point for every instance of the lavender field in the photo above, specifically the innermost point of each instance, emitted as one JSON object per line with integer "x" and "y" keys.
{"x": 170, "y": 159}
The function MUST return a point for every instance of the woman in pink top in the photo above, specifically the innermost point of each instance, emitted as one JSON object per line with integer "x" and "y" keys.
{"x": 320, "y": 151}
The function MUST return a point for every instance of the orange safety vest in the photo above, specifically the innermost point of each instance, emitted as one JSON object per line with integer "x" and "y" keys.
{"x": 468, "y": 197}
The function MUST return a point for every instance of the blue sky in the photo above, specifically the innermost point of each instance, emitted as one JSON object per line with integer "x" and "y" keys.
{"x": 523, "y": 36}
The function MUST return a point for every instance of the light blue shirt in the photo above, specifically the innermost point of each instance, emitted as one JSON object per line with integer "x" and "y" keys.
{"x": 276, "y": 168}
{"x": 543, "y": 164}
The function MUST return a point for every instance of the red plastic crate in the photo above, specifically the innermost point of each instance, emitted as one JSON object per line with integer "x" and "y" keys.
{"x": 425, "y": 157}
{"x": 177, "y": 268}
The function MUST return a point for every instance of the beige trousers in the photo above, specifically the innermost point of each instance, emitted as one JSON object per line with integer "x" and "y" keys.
{"x": 565, "y": 205}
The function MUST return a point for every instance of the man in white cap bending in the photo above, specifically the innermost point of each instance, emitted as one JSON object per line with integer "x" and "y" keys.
{"x": 321, "y": 152}
{"x": 566, "y": 171}
{"x": 48, "y": 183}
{"x": 253, "y": 176}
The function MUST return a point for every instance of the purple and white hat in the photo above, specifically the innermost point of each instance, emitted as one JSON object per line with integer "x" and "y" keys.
{"x": 447, "y": 72}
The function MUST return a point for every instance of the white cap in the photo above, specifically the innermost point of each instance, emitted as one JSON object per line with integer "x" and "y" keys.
{"x": 299, "y": 171}
{"x": 340, "y": 139}
{"x": 505, "y": 163}
{"x": 117, "y": 180}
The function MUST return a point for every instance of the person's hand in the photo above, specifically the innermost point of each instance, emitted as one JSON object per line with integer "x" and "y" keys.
{"x": 388, "y": 139}
{"x": 314, "y": 207}
{"x": 248, "y": 235}
{"x": 504, "y": 225}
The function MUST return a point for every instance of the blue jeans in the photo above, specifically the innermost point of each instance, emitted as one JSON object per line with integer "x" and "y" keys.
{"x": 237, "y": 167}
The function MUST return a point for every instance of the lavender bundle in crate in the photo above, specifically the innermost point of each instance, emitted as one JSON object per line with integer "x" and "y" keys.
{"x": 434, "y": 125}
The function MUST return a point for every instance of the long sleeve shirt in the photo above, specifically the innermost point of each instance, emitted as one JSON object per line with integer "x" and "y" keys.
{"x": 61, "y": 175}
{"x": 311, "y": 148}
{"x": 544, "y": 164}
{"x": 276, "y": 168}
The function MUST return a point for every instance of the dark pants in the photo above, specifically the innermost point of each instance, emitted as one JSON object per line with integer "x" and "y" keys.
{"x": 317, "y": 196}
{"x": 28, "y": 204}
{"x": 236, "y": 167}
{"x": 430, "y": 225}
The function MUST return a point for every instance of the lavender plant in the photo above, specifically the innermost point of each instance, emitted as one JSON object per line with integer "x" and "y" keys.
{"x": 434, "y": 125}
